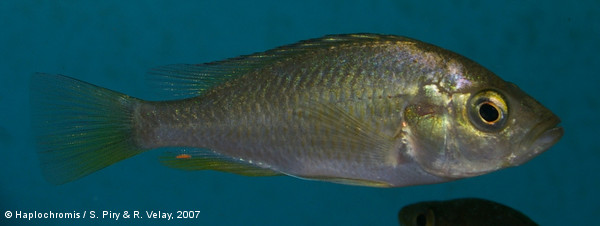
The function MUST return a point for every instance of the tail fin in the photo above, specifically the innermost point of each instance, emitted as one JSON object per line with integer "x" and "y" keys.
{"x": 80, "y": 128}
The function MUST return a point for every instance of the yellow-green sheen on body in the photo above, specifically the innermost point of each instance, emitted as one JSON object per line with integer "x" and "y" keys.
{"x": 375, "y": 110}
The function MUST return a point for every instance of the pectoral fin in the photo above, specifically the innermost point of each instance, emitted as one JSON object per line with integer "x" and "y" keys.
{"x": 355, "y": 136}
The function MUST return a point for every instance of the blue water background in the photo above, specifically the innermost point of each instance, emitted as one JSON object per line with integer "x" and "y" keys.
{"x": 549, "y": 49}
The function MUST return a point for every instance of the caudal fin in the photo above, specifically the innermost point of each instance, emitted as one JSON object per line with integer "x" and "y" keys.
{"x": 80, "y": 128}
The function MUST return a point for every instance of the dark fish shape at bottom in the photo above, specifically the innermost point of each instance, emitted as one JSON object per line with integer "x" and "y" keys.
{"x": 463, "y": 212}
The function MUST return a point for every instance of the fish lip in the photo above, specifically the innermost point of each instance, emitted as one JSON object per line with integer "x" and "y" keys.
{"x": 539, "y": 139}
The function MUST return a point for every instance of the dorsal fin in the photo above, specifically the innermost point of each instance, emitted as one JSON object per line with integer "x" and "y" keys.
{"x": 188, "y": 80}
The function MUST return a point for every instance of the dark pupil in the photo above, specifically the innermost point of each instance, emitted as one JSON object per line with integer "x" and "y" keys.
{"x": 421, "y": 220}
{"x": 488, "y": 112}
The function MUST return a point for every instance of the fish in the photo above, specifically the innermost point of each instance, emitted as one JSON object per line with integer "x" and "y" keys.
{"x": 462, "y": 212}
{"x": 360, "y": 109}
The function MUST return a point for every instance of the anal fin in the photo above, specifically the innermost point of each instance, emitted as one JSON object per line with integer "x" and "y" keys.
{"x": 204, "y": 159}
{"x": 350, "y": 181}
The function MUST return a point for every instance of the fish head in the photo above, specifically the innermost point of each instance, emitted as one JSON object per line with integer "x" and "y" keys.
{"x": 417, "y": 214}
{"x": 482, "y": 126}
{"x": 463, "y": 211}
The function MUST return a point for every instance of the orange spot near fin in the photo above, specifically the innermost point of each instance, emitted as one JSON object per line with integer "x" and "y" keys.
{"x": 183, "y": 156}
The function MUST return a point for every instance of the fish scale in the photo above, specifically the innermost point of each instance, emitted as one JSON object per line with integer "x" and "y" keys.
{"x": 243, "y": 102}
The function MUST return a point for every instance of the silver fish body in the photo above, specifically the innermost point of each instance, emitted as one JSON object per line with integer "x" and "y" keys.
{"x": 374, "y": 110}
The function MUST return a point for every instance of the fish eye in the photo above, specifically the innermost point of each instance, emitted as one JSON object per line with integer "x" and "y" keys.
{"x": 425, "y": 219}
{"x": 488, "y": 111}
{"x": 421, "y": 219}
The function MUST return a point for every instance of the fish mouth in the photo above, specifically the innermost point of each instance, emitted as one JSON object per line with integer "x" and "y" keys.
{"x": 539, "y": 139}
